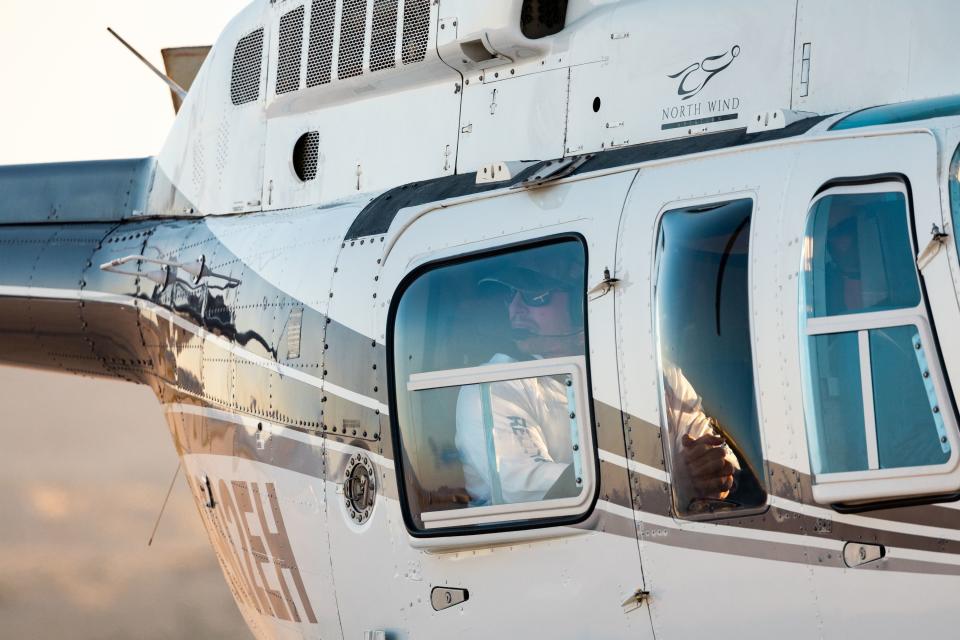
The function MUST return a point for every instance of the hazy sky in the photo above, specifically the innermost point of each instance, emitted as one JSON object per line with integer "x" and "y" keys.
{"x": 86, "y": 464}
{"x": 72, "y": 92}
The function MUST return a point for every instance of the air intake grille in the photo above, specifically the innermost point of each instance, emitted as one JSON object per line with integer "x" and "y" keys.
{"x": 383, "y": 43}
{"x": 291, "y": 51}
{"x": 353, "y": 31}
{"x": 247, "y": 69}
{"x": 416, "y": 30}
{"x": 306, "y": 155}
{"x": 320, "y": 59}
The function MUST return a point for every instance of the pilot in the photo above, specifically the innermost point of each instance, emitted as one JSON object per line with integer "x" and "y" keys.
{"x": 525, "y": 423}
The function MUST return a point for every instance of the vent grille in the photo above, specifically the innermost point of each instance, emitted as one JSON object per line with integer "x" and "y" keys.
{"x": 320, "y": 59}
{"x": 291, "y": 51}
{"x": 353, "y": 32}
{"x": 383, "y": 40}
{"x": 247, "y": 69}
{"x": 416, "y": 30}
{"x": 306, "y": 154}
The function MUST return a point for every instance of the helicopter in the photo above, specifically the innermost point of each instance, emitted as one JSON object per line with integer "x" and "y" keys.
{"x": 577, "y": 318}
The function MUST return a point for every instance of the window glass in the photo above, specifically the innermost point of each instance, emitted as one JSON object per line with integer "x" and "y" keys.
{"x": 909, "y": 433}
{"x": 514, "y": 439}
{"x": 839, "y": 437}
{"x": 955, "y": 194}
{"x": 902, "y": 112}
{"x": 472, "y": 434}
{"x": 706, "y": 358}
{"x": 873, "y": 403}
{"x": 862, "y": 260}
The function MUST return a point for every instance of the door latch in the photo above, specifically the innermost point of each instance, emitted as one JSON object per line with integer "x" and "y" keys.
{"x": 937, "y": 242}
{"x": 635, "y": 601}
{"x": 602, "y": 289}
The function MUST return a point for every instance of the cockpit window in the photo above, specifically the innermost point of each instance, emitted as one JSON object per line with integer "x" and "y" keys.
{"x": 489, "y": 374}
{"x": 703, "y": 329}
{"x": 902, "y": 112}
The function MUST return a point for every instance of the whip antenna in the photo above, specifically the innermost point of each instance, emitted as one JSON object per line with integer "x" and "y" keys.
{"x": 164, "y": 506}
{"x": 177, "y": 89}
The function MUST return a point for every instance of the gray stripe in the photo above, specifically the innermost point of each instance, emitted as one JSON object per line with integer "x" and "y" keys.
{"x": 200, "y": 434}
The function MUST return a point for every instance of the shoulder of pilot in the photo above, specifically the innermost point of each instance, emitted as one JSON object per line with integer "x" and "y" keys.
{"x": 501, "y": 358}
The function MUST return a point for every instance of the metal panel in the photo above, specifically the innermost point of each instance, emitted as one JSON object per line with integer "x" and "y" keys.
{"x": 98, "y": 191}
{"x": 182, "y": 65}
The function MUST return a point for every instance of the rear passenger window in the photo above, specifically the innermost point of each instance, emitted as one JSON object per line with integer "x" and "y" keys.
{"x": 703, "y": 330}
{"x": 489, "y": 374}
{"x": 876, "y": 398}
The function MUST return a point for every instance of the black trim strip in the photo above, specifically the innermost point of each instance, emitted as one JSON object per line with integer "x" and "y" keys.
{"x": 378, "y": 215}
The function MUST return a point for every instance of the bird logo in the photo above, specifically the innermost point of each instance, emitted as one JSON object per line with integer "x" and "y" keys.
{"x": 694, "y": 78}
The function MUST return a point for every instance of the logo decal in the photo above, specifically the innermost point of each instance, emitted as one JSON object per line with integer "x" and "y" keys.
{"x": 694, "y": 78}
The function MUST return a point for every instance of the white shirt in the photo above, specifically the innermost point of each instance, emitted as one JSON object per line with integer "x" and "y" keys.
{"x": 685, "y": 414}
{"x": 531, "y": 438}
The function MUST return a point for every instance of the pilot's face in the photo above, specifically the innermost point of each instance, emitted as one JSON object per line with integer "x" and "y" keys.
{"x": 548, "y": 324}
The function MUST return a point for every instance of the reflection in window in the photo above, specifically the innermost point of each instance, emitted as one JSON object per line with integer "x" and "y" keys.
{"x": 706, "y": 356}
{"x": 908, "y": 430}
{"x": 838, "y": 399}
{"x": 901, "y": 112}
{"x": 955, "y": 194}
{"x": 862, "y": 256}
{"x": 472, "y": 434}
{"x": 515, "y": 439}
{"x": 872, "y": 400}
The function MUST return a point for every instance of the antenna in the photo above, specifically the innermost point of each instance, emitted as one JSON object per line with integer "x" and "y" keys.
{"x": 163, "y": 507}
{"x": 177, "y": 89}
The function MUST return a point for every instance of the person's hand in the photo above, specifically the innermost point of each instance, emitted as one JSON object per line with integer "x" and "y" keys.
{"x": 709, "y": 471}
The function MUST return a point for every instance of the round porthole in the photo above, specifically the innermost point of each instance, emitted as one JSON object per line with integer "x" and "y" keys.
{"x": 306, "y": 154}
{"x": 596, "y": 104}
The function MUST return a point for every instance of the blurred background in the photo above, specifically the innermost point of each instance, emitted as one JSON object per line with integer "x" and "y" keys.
{"x": 85, "y": 465}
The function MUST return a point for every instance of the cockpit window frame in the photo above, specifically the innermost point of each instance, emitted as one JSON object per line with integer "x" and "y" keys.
{"x": 525, "y": 520}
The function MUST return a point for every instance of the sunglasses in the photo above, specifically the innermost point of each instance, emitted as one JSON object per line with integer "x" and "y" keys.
{"x": 530, "y": 298}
